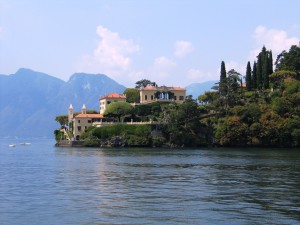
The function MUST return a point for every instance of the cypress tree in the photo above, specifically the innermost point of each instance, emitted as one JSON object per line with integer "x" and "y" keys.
{"x": 248, "y": 77}
{"x": 264, "y": 68}
{"x": 259, "y": 72}
{"x": 254, "y": 77}
{"x": 265, "y": 72}
{"x": 270, "y": 63}
{"x": 223, "y": 73}
{"x": 223, "y": 79}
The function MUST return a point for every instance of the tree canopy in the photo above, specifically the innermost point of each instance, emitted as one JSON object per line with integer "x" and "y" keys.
{"x": 289, "y": 60}
{"x": 62, "y": 120}
{"x": 132, "y": 95}
{"x": 118, "y": 110}
{"x": 230, "y": 115}
{"x": 248, "y": 77}
{"x": 144, "y": 83}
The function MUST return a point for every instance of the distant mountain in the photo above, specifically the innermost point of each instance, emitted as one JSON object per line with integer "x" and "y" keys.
{"x": 86, "y": 89}
{"x": 197, "y": 89}
{"x": 29, "y": 100}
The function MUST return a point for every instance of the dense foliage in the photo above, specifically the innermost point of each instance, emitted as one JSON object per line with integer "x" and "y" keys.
{"x": 144, "y": 83}
{"x": 62, "y": 120}
{"x": 289, "y": 60}
{"x": 118, "y": 110}
{"x": 264, "y": 113}
{"x": 132, "y": 95}
{"x": 129, "y": 135}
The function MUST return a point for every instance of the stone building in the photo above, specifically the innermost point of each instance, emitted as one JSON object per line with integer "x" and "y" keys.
{"x": 107, "y": 99}
{"x": 162, "y": 94}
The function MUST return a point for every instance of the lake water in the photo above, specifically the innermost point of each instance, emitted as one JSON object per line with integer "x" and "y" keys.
{"x": 41, "y": 184}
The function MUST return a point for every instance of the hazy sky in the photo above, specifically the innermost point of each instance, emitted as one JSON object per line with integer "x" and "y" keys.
{"x": 171, "y": 42}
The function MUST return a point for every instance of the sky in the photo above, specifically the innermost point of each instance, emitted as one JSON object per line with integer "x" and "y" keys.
{"x": 170, "y": 42}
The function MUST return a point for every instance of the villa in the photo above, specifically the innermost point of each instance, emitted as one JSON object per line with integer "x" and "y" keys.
{"x": 107, "y": 99}
{"x": 82, "y": 121}
{"x": 149, "y": 94}
{"x": 162, "y": 94}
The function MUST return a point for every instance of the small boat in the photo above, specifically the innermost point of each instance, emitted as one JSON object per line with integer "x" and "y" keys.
{"x": 12, "y": 145}
{"x": 25, "y": 143}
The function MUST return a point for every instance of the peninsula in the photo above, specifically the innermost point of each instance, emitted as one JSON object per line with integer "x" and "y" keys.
{"x": 261, "y": 108}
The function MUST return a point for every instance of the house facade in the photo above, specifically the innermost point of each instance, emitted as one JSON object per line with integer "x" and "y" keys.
{"x": 107, "y": 99}
{"x": 82, "y": 121}
{"x": 162, "y": 94}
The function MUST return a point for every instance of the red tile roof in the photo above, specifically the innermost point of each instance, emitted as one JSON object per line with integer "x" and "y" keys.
{"x": 113, "y": 95}
{"x": 150, "y": 88}
{"x": 92, "y": 116}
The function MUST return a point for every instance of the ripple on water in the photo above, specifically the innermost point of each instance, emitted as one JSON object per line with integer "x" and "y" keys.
{"x": 46, "y": 185}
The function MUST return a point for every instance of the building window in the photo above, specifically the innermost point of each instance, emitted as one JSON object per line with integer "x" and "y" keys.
{"x": 89, "y": 121}
{"x": 181, "y": 98}
{"x": 145, "y": 97}
{"x": 151, "y": 97}
{"x": 108, "y": 102}
{"x": 78, "y": 121}
{"x": 175, "y": 97}
{"x": 79, "y": 128}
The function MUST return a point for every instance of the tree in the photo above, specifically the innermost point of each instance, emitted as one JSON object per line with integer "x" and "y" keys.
{"x": 259, "y": 72}
{"x": 289, "y": 60}
{"x": 233, "y": 88}
{"x": 254, "y": 77}
{"x": 62, "y": 120}
{"x": 144, "y": 83}
{"x": 270, "y": 63}
{"x": 222, "y": 84}
{"x": 118, "y": 110}
{"x": 248, "y": 77}
{"x": 231, "y": 131}
{"x": 278, "y": 77}
{"x": 264, "y": 68}
{"x": 183, "y": 125}
{"x": 223, "y": 72}
{"x": 132, "y": 95}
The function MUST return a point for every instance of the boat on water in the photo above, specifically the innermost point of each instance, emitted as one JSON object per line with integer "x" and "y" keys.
{"x": 25, "y": 143}
{"x": 12, "y": 145}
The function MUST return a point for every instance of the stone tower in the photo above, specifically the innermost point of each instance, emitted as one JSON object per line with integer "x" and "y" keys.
{"x": 70, "y": 113}
{"x": 83, "y": 109}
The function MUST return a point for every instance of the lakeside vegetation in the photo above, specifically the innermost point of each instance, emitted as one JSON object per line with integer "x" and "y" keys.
{"x": 265, "y": 111}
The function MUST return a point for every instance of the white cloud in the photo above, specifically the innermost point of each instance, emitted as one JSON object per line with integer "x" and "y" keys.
{"x": 164, "y": 63}
{"x": 273, "y": 39}
{"x": 112, "y": 55}
{"x": 161, "y": 70}
{"x": 183, "y": 48}
{"x": 112, "y": 50}
{"x": 195, "y": 75}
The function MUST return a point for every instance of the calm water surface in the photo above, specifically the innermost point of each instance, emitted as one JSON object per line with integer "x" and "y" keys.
{"x": 41, "y": 184}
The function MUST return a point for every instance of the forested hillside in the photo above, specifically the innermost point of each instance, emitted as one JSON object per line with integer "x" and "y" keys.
{"x": 262, "y": 111}
{"x": 265, "y": 112}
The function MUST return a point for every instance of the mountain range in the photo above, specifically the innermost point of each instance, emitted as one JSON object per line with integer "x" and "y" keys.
{"x": 30, "y": 100}
{"x": 197, "y": 89}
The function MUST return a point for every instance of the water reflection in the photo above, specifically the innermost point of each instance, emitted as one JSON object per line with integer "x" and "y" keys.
{"x": 186, "y": 186}
{"x": 149, "y": 186}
